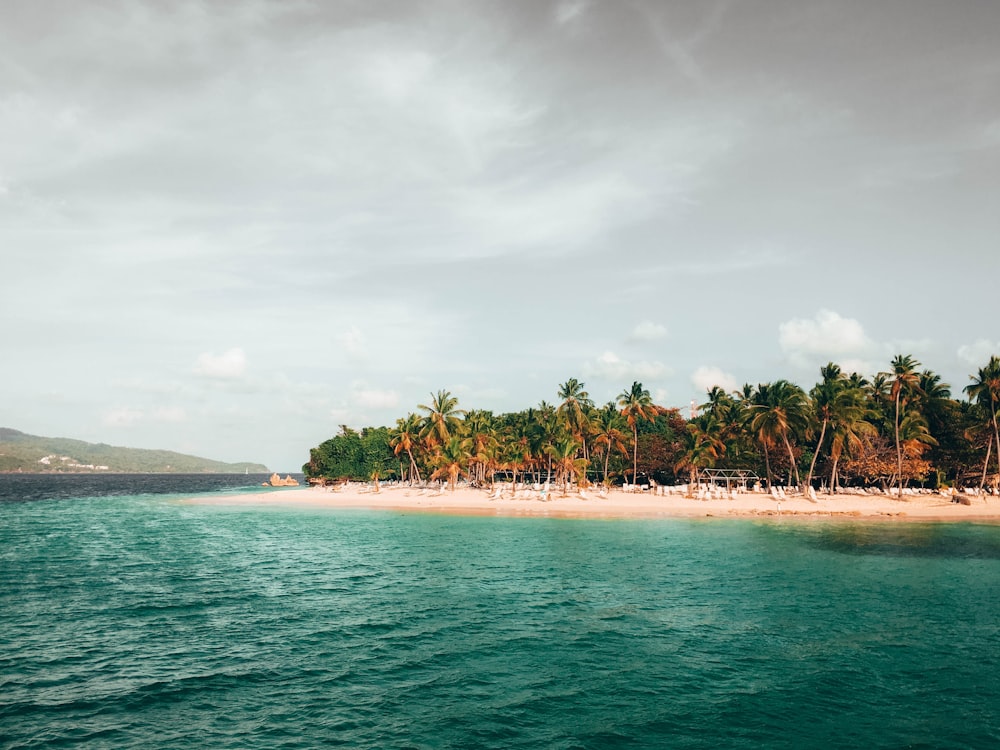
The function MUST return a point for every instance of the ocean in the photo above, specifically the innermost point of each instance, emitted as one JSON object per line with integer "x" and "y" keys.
{"x": 131, "y": 619}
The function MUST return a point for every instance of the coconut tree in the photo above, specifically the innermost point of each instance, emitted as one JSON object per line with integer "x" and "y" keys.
{"x": 636, "y": 405}
{"x": 564, "y": 456}
{"x": 849, "y": 427}
{"x": 545, "y": 428}
{"x": 699, "y": 450}
{"x": 823, "y": 397}
{"x": 609, "y": 435}
{"x": 985, "y": 389}
{"x": 478, "y": 428}
{"x": 452, "y": 460}
{"x": 781, "y": 412}
{"x": 514, "y": 451}
{"x": 717, "y": 404}
{"x": 575, "y": 408}
{"x": 404, "y": 438}
{"x": 903, "y": 383}
{"x": 443, "y": 418}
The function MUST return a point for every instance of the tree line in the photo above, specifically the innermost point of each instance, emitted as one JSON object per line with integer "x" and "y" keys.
{"x": 899, "y": 428}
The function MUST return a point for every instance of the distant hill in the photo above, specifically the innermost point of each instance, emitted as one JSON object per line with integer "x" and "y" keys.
{"x": 31, "y": 453}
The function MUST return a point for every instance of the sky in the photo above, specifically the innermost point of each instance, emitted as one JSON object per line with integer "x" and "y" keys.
{"x": 227, "y": 229}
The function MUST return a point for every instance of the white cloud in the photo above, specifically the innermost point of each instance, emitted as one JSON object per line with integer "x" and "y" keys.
{"x": 122, "y": 417}
{"x": 706, "y": 377}
{"x": 811, "y": 342}
{"x": 228, "y": 365}
{"x": 661, "y": 395}
{"x": 371, "y": 398}
{"x": 647, "y": 330}
{"x": 609, "y": 366}
{"x": 979, "y": 352}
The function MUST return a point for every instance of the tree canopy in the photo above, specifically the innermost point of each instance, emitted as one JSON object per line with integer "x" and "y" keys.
{"x": 900, "y": 427}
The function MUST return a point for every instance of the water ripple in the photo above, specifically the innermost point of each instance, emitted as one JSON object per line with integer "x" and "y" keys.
{"x": 131, "y": 622}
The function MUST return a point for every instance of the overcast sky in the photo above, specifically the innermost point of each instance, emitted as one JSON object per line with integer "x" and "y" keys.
{"x": 227, "y": 228}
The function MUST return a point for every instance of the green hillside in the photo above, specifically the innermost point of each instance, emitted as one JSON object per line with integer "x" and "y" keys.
{"x": 31, "y": 453}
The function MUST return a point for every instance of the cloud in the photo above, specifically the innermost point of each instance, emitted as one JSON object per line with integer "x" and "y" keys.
{"x": 609, "y": 366}
{"x": 569, "y": 11}
{"x": 228, "y": 365}
{"x": 706, "y": 377}
{"x": 979, "y": 352}
{"x": 371, "y": 398}
{"x": 122, "y": 417}
{"x": 810, "y": 342}
{"x": 647, "y": 330}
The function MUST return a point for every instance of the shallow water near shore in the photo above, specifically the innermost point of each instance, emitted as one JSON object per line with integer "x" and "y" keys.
{"x": 135, "y": 620}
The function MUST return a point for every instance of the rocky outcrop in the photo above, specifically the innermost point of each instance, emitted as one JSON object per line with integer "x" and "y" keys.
{"x": 277, "y": 481}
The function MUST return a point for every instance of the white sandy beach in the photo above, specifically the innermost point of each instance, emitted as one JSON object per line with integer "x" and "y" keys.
{"x": 620, "y": 504}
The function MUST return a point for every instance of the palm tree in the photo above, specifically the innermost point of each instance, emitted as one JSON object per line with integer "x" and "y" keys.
{"x": 850, "y": 428}
{"x": 513, "y": 451}
{"x": 985, "y": 389}
{"x": 780, "y": 412}
{"x": 404, "y": 438}
{"x": 718, "y": 401}
{"x": 545, "y": 429}
{"x": 442, "y": 417}
{"x": 574, "y": 408}
{"x": 700, "y": 450}
{"x": 567, "y": 465}
{"x": 452, "y": 460}
{"x": 903, "y": 381}
{"x": 823, "y": 396}
{"x": 609, "y": 434}
{"x": 636, "y": 405}
{"x": 478, "y": 428}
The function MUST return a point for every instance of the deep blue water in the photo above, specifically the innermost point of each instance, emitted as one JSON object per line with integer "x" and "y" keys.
{"x": 139, "y": 620}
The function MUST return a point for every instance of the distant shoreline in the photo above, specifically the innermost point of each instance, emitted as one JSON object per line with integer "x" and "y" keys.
{"x": 119, "y": 472}
{"x": 623, "y": 505}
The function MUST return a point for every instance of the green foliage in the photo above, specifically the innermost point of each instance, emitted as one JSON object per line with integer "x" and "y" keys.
{"x": 901, "y": 426}
{"x": 357, "y": 456}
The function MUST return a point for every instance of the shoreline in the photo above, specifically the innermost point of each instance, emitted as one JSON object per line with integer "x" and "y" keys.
{"x": 922, "y": 508}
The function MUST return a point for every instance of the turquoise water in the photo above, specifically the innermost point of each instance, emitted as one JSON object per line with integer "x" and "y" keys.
{"x": 139, "y": 621}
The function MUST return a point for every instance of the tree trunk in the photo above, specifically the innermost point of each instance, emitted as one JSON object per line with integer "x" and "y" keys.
{"x": 767, "y": 464}
{"x": 986, "y": 464}
{"x": 899, "y": 450}
{"x": 607, "y": 457}
{"x": 413, "y": 465}
{"x": 635, "y": 454}
{"x": 819, "y": 444}
{"x": 996, "y": 433}
{"x": 791, "y": 457}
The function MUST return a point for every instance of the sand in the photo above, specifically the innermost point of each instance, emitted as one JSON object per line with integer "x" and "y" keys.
{"x": 620, "y": 504}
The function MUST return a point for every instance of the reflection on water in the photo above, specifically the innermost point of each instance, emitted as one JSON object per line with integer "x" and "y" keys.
{"x": 938, "y": 540}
